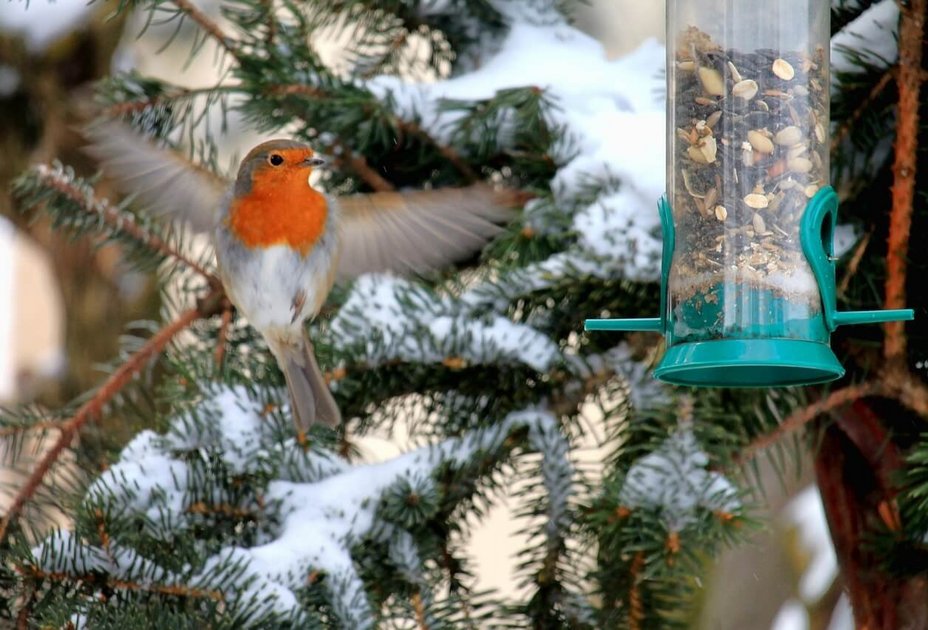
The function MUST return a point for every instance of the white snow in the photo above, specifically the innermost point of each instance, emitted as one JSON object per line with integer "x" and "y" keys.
{"x": 792, "y": 616}
{"x": 7, "y": 303}
{"x": 320, "y": 520}
{"x": 806, "y": 513}
{"x": 146, "y": 481}
{"x": 873, "y": 34}
{"x": 843, "y": 616}
{"x": 396, "y": 320}
{"x": 673, "y": 480}
{"x": 612, "y": 112}
{"x": 42, "y": 22}
{"x": 644, "y": 391}
{"x": 323, "y": 520}
{"x": 615, "y": 227}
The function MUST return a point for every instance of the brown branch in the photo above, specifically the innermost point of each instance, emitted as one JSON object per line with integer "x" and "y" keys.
{"x": 845, "y": 128}
{"x": 139, "y": 105}
{"x": 358, "y": 163}
{"x": 802, "y": 417}
{"x": 206, "y": 24}
{"x": 635, "y": 605}
{"x": 93, "y": 408}
{"x": 116, "y": 220}
{"x": 22, "y": 619}
{"x": 420, "y": 611}
{"x": 909, "y": 80}
{"x": 174, "y": 590}
{"x": 221, "y": 509}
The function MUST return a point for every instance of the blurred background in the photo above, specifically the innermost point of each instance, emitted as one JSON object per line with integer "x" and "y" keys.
{"x": 63, "y": 305}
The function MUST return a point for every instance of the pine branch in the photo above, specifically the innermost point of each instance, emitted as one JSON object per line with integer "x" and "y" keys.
{"x": 172, "y": 590}
{"x": 124, "y": 108}
{"x": 909, "y": 79}
{"x": 845, "y": 128}
{"x": 419, "y": 607}
{"x": 207, "y": 25}
{"x": 93, "y": 408}
{"x": 84, "y": 201}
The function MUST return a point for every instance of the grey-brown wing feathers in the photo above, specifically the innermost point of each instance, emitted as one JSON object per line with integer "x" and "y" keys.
{"x": 161, "y": 180}
{"x": 411, "y": 232}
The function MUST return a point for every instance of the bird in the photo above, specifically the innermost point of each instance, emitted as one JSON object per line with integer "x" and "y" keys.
{"x": 281, "y": 244}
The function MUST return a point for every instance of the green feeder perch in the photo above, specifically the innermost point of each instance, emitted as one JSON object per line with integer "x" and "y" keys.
{"x": 748, "y": 268}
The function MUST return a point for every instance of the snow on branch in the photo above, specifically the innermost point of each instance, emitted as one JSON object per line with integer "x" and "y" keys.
{"x": 305, "y": 526}
{"x": 394, "y": 319}
{"x": 674, "y": 481}
{"x": 610, "y": 112}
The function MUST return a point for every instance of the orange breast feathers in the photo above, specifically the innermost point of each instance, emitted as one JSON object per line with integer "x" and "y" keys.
{"x": 280, "y": 209}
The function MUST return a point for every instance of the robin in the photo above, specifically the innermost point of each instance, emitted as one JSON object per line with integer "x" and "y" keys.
{"x": 281, "y": 244}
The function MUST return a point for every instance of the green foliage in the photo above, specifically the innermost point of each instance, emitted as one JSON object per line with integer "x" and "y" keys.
{"x": 484, "y": 364}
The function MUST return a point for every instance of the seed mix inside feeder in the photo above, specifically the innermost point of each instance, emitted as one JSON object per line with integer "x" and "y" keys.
{"x": 748, "y": 266}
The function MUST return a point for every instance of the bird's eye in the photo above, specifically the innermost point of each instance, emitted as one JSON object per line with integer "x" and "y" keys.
{"x": 275, "y": 159}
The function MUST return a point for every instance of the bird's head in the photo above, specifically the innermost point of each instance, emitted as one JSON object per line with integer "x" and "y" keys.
{"x": 279, "y": 164}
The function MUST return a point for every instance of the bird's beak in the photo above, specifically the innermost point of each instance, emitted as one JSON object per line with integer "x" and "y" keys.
{"x": 313, "y": 161}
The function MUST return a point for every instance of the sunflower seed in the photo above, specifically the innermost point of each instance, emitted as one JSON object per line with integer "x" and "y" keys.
{"x": 712, "y": 81}
{"x": 783, "y": 69}
{"x": 760, "y": 142}
{"x": 746, "y": 89}
{"x": 788, "y": 136}
{"x": 755, "y": 200}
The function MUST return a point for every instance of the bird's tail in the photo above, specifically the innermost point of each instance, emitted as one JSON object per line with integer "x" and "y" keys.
{"x": 310, "y": 398}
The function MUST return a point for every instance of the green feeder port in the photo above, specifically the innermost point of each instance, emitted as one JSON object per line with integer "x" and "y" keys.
{"x": 788, "y": 344}
{"x": 748, "y": 265}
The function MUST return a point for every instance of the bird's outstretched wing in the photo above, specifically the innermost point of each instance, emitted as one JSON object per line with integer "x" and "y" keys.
{"x": 162, "y": 181}
{"x": 415, "y": 231}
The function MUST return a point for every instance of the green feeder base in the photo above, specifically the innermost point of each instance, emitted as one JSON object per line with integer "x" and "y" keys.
{"x": 749, "y": 363}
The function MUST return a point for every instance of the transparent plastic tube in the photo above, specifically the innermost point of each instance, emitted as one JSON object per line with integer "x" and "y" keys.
{"x": 748, "y": 146}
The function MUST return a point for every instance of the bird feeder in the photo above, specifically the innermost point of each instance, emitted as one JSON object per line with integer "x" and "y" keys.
{"x": 748, "y": 269}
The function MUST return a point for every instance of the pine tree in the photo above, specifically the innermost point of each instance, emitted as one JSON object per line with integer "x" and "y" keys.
{"x": 215, "y": 515}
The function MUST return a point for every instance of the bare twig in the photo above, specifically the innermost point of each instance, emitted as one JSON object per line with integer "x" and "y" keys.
{"x": 854, "y": 262}
{"x": 845, "y": 128}
{"x": 358, "y": 163}
{"x": 92, "y": 409}
{"x": 802, "y": 417}
{"x": 909, "y": 79}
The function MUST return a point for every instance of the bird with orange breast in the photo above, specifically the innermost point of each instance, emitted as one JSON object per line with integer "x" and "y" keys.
{"x": 281, "y": 244}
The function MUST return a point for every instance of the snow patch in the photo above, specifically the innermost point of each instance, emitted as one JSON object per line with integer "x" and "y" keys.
{"x": 42, "y": 22}
{"x": 792, "y": 616}
{"x": 674, "y": 481}
{"x": 872, "y": 35}
{"x": 394, "y": 319}
{"x": 806, "y": 514}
